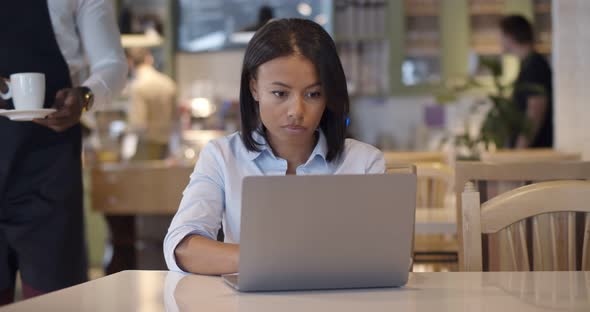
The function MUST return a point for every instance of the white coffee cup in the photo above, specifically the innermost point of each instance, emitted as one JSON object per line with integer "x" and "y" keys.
{"x": 27, "y": 91}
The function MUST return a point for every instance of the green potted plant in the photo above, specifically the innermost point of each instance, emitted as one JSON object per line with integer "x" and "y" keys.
{"x": 502, "y": 120}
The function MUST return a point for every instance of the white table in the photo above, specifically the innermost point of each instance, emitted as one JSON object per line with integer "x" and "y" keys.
{"x": 166, "y": 291}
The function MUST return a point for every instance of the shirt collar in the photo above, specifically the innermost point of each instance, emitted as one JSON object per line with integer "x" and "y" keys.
{"x": 321, "y": 148}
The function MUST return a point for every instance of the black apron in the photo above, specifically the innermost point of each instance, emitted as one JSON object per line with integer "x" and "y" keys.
{"x": 41, "y": 212}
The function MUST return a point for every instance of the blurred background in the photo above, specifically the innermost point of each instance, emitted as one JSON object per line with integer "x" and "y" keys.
{"x": 420, "y": 74}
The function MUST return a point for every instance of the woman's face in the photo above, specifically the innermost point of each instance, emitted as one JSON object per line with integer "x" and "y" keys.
{"x": 291, "y": 99}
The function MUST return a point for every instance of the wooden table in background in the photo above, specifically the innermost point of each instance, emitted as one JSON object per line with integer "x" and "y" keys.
{"x": 138, "y": 200}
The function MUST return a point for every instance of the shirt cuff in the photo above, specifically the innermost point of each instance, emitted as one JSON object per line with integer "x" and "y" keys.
{"x": 100, "y": 91}
{"x": 106, "y": 83}
{"x": 171, "y": 242}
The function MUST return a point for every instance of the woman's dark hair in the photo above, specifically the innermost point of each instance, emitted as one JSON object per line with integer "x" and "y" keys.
{"x": 518, "y": 28}
{"x": 286, "y": 37}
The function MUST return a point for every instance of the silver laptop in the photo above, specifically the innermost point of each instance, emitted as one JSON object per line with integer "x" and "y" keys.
{"x": 325, "y": 232}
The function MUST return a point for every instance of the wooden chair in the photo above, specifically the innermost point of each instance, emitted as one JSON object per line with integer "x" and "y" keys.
{"x": 435, "y": 177}
{"x": 484, "y": 172}
{"x": 511, "y": 211}
{"x": 436, "y": 225}
{"x": 493, "y": 179}
{"x": 392, "y": 158}
{"x": 435, "y": 229}
{"x": 435, "y": 181}
{"x": 435, "y": 184}
{"x": 401, "y": 168}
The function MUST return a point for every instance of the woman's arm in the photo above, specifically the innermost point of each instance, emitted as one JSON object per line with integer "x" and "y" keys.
{"x": 376, "y": 164}
{"x": 190, "y": 243}
{"x": 202, "y": 255}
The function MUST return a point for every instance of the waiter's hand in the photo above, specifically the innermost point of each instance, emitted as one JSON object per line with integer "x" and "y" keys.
{"x": 69, "y": 103}
{"x": 3, "y": 89}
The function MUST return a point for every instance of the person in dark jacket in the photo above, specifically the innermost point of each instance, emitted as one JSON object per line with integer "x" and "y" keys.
{"x": 533, "y": 90}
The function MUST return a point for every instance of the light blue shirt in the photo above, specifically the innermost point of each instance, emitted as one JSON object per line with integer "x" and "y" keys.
{"x": 213, "y": 195}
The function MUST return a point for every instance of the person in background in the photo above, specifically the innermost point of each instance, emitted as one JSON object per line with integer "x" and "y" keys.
{"x": 76, "y": 44}
{"x": 294, "y": 106}
{"x": 533, "y": 91}
{"x": 152, "y": 106}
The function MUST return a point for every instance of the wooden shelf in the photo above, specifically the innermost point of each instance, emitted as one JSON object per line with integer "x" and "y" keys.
{"x": 409, "y": 36}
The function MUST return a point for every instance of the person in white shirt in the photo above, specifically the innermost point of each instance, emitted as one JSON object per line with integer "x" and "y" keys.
{"x": 294, "y": 107}
{"x": 76, "y": 45}
{"x": 152, "y": 106}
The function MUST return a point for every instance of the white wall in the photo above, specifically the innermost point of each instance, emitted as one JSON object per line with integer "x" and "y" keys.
{"x": 391, "y": 123}
{"x": 571, "y": 67}
{"x": 222, "y": 69}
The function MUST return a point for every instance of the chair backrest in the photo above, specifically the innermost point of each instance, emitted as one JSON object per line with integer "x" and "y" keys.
{"x": 519, "y": 213}
{"x": 401, "y": 168}
{"x": 435, "y": 177}
{"x": 435, "y": 184}
{"x": 494, "y": 178}
{"x": 528, "y": 155}
{"x": 392, "y": 157}
{"x": 519, "y": 172}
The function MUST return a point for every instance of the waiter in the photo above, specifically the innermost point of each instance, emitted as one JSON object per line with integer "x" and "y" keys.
{"x": 41, "y": 213}
{"x": 533, "y": 91}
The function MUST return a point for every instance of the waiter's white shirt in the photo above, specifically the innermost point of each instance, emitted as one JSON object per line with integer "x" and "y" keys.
{"x": 88, "y": 37}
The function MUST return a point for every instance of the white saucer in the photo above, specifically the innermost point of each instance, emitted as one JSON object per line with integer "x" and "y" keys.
{"x": 26, "y": 115}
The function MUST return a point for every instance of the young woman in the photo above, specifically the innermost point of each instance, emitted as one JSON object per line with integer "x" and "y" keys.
{"x": 294, "y": 105}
